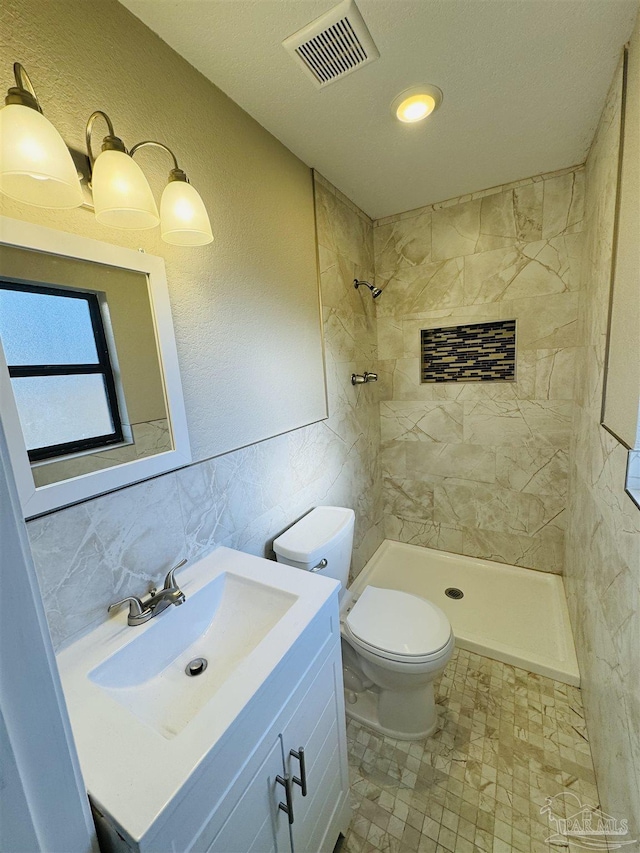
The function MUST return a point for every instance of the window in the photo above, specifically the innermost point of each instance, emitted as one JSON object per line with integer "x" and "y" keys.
{"x": 56, "y": 350}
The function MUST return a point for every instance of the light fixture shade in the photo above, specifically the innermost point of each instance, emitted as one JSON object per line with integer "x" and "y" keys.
{"x": 122, "y": 197}
{"x": 183, "y": 217}
{"x": 35, "y": 164}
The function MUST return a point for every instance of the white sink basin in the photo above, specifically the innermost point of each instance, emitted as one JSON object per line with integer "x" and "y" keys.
{"x": 221, "y": 623}
{"x": 141, "y": 724}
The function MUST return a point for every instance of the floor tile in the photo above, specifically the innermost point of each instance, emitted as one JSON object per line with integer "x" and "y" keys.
{"x": 508, "y": 739}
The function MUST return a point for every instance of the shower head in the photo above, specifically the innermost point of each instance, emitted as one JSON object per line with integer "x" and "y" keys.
{"x": 375, "y": 291}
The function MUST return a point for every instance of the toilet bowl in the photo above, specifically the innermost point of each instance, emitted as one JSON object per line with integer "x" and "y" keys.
{"x": 394, "y": 644}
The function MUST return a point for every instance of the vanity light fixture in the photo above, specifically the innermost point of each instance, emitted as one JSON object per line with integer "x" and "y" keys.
{"x": 36, "y": 166}
{"x": 415, "y": 104}
{"x": 183, "y": 217}
{"x": 122, "y": 197}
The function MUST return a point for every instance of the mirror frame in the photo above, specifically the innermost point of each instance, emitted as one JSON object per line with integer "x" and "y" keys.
{"x": 620, "y": 404}
{"x": 43, "y": 499}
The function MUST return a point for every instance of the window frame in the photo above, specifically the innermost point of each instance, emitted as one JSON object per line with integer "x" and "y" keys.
{"x": 103, "y": 367}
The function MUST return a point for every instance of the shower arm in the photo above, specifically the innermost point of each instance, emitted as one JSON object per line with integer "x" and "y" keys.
{"x": 375, "y": 291}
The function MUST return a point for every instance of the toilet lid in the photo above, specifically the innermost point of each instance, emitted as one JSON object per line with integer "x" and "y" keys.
{"x": 398, "y": 622}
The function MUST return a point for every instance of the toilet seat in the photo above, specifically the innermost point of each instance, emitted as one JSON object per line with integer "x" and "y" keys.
{"x": 397, "y": 626}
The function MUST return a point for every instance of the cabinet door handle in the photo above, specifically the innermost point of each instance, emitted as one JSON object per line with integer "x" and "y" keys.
{"x": 288, "y": 808}
{"x": 302, "y": 781}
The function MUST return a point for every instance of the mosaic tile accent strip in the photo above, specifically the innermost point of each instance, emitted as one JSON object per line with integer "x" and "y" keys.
{"x": 508, "y": 740}
{"x": 476, "y": 352}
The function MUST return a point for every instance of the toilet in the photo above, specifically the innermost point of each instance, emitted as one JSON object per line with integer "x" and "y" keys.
{"x": 394, "y": 644}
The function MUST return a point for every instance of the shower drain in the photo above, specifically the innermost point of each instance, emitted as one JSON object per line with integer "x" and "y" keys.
{"x": 196, "y": 667}
{"x": 454, "y": 592}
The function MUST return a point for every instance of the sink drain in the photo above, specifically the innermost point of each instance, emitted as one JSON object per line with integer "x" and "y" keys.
{"x": 454, "y": 592}
{"x": 196, "y": 667}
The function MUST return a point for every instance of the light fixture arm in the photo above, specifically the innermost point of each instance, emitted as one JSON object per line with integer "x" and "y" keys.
{"x": 111, "y": 142}
{"x": 176, "y": 174}
{"x": 23, "y": 92}
{"x": 155, "y": 144}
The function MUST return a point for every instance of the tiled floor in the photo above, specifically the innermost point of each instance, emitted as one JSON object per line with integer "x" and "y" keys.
{"x": 509, "y": 740}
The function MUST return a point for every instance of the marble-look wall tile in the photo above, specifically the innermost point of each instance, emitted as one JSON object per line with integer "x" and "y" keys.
{"x": 497, "y": 423}
{"x": 469, "y": 461}
{"x": 343, "y": 231}
{"x": 456, "y": 230}
{"x": 528, "y": 211}
{"x": 546, "y": 321}
{"x": 516, "y": 272}
{"x": 92, "y": 554}
{"x": 543, "y": 552}
{"x": 214, "y": 495}
{"x": 390, "y": 338}
{"x": 475, "y": 505}
{"x": 411, "y": 500}
{"x": 402, "y": 244}
{"x": 393, "y": 458}
{"x": 339, "y": 335}
{"x": 499, "y": 478}
{"x": 440, "y": 422}
{"x": 425, "y": 533}
{"x": 555, "y": 369}
{"x": 507, "y": 217}
{"x": 336, "y": 280}
{"x": 535, "y": 465}
{"x": 421, "y": 288}
{"x": 602, "y": 574}
{"x": 563, "y": 207}
{"x": 89, "y": 555}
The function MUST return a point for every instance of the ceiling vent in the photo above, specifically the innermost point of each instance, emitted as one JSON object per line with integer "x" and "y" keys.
{"x": 333, "y": 45}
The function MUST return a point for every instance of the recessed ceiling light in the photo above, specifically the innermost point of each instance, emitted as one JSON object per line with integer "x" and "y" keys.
{"x": 416, "y": 103}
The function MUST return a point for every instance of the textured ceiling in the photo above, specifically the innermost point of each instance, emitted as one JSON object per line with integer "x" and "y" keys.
{"x": 524, "y": 83}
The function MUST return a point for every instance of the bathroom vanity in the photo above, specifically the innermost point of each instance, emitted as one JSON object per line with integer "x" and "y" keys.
{"x": 248, "y": 753}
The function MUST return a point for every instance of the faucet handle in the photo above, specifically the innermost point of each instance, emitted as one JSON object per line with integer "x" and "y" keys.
{"x": 136, "y": 608}
{"x": 170, "y": 581}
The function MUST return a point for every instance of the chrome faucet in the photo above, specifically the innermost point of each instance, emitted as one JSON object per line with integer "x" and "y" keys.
{"x": 143, "y": 609}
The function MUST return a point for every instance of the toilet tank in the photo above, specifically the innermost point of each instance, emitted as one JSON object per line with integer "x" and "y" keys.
{"x": 324, "y": 534}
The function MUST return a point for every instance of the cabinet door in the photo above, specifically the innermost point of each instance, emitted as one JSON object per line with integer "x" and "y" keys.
{"x": 257, "y": 824}
{"x": 318, "y": 726}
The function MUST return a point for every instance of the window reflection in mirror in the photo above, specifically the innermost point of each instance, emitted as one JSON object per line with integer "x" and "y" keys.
{"x": 79, "y": 339}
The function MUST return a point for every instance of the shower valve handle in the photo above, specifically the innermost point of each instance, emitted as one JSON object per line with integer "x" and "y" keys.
{"x": 363, "y": 378}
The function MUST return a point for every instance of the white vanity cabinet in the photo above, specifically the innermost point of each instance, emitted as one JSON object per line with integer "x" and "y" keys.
{"x": 314, "y": 725}
{"x": 256, "y": 824}
{"x": 234, "y": 799}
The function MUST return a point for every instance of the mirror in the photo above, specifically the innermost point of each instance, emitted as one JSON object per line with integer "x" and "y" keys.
{"x": 621, "y": 392}
{"x": 90, "y": 390}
